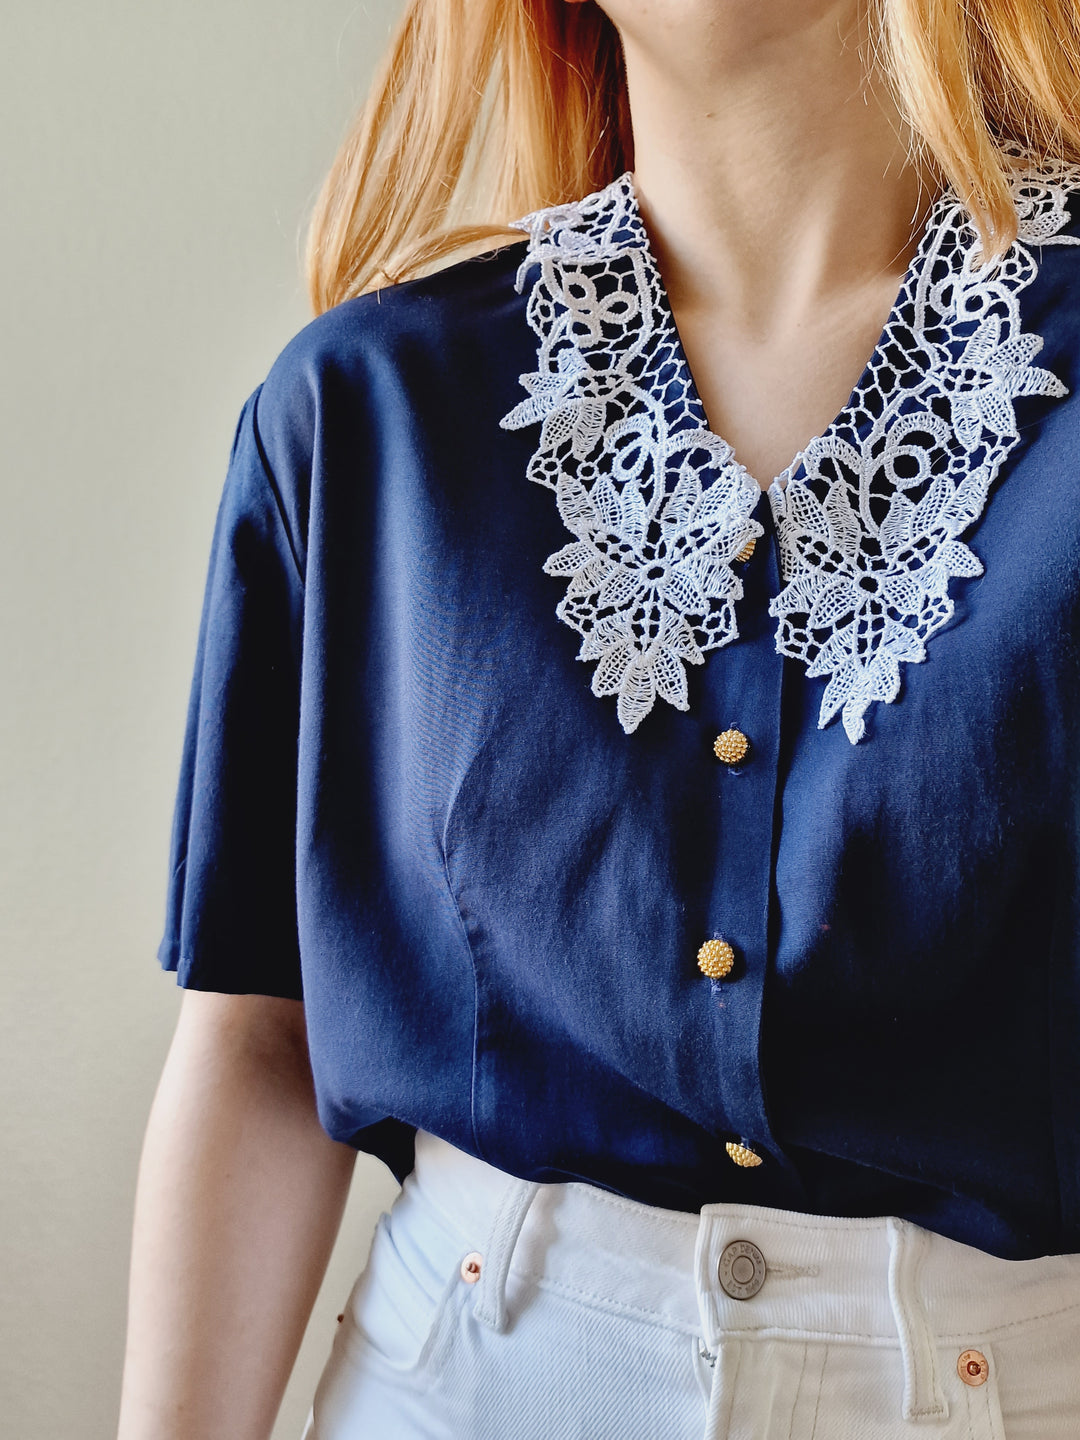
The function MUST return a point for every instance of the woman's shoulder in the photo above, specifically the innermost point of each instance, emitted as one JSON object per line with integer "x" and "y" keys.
{"x": 366, "y": 376}
{"x": 352, "y": 358}
{"x": 431, "y": 309}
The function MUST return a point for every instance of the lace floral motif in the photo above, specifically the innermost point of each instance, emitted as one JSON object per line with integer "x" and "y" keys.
{"x": 870, "y": 512}
{"x": 657, "y": 505}
{"x": 867, "y": 514}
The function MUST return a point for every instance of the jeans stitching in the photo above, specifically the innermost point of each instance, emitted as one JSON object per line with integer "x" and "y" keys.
{"x": 798, "y": 1391}
{"x": 820, "y": 1390}
{"x": 614, "y": 1307}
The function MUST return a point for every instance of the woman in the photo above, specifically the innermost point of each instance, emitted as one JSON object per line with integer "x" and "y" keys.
{"x": 716, "y": 1000}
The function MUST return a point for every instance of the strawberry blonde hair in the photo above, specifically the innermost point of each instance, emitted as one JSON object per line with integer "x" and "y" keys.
{"x": 483, "y": 110}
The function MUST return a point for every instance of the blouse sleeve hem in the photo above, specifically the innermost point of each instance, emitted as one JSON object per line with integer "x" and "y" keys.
{"x": 191, "y": 975}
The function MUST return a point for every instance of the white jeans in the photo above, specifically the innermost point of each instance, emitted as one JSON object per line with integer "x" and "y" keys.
{"x": 604, "y": 1319}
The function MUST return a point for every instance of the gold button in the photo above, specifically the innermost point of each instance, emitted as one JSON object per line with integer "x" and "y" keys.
{"x": 748, "y": 1159}
{"x": 715, "y": 958}
{"x": 972, "y": 1367}
{"x": 731, "y": 747}
{"x": 470, "y": 1267}
{"x": 747, "y": 550}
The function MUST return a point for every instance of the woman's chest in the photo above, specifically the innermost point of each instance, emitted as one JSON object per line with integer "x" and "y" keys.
{"x": 440, "y": 642}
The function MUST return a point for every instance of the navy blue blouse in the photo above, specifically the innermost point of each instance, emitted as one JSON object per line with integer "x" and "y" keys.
{"x": 451, "y": 770}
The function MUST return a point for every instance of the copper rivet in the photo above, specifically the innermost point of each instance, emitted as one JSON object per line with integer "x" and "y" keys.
{"x": 972, "y": 1367}
{"x": 470, "y": 1267}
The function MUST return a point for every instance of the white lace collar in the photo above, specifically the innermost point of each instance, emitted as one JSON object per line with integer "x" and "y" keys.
{"x": 867, "y": 515}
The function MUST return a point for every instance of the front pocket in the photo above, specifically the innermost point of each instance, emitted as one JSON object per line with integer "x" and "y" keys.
{"x": 1033, "y": 1389}
{"x": 395, "y": 1307}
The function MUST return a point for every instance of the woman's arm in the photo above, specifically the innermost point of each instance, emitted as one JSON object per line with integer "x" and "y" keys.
{"x": 239, "y": 1200}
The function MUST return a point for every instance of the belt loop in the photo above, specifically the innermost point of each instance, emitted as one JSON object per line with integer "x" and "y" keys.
{"x": 490, "y": 1304}
{"x": 923, "y": 1395}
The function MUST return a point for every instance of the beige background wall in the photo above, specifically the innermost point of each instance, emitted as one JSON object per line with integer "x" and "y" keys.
{"x": 159, "y": 160}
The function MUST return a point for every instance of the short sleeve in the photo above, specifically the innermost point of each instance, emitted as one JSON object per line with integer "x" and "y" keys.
{"x": 230, "y": 922}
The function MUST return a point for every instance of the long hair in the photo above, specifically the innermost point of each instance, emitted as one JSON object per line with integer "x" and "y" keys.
{"x": 483, "y": 110}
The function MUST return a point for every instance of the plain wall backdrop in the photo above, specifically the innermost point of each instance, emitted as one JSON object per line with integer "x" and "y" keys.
{"x": 160, "y": 162}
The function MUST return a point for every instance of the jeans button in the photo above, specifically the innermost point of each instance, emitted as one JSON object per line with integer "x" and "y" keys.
{"x": 741, "y": 1270}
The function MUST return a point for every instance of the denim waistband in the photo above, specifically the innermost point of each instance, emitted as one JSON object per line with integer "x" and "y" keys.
{"x": 879, "y": 1280}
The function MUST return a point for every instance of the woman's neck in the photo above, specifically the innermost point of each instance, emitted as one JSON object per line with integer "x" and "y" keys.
{"x": 772, "y": 173}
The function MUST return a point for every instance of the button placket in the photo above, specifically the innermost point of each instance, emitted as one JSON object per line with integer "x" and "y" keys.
{"x": 744, "y": 690}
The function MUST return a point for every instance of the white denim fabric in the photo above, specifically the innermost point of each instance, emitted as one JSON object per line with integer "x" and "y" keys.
{"x": 602, "y": 1318}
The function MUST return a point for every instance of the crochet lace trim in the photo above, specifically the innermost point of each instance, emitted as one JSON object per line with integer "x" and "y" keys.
{"x": 867, "y": 514}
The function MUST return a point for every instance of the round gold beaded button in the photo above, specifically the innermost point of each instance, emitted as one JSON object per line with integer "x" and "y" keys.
{"x": 731, "y": 746}
{"x": 742, "y": 1155}
{"x": 715, "y": 959}
{"x": 973, "y": 1368}
{"x": 747, "y": 550}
